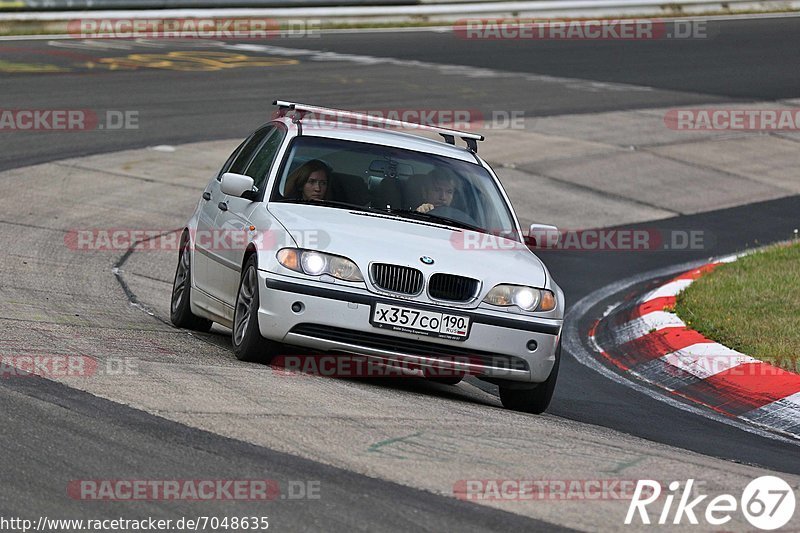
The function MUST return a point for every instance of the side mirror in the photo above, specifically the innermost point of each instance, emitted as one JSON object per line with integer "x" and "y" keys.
{"x": 235, "y": 184}
{"x": 543, "y": 236}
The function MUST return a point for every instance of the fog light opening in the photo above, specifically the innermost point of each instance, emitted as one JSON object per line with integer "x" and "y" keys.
{"x": 532, "y": 345}
{"x": 298, "y": 307}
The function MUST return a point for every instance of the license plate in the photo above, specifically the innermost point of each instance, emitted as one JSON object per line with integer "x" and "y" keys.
{"x": 432, "y": 324}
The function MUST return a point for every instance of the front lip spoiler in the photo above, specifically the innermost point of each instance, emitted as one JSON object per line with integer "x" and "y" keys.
{"x": 476, "y": 318}
{"x": 387, "y": 356}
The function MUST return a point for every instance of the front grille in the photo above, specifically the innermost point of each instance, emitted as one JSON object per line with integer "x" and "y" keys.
{"x": 395, "y": 278}
{"x": 452, "y": 288}
{"x": 410, "y": 347}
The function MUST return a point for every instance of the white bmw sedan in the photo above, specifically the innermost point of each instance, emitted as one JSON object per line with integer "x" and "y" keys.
{"x": 347, "y": 238}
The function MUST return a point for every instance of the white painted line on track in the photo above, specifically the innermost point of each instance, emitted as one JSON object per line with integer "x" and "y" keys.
{"x": 442, "y": 68}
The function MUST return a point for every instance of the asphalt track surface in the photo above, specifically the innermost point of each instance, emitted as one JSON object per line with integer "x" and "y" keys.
{"x": 740, "y": 60}
{"x": 89, "y": 433}
{"x": 749, "y": 61}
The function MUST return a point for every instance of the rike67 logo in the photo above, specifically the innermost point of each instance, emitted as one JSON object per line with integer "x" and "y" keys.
{"x": 767, "y": 502}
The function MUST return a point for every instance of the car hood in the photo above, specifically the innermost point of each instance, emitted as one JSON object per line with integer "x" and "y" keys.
{"x": 367, "y": 237}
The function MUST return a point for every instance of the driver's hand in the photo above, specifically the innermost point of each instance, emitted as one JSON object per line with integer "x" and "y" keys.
{"x": 424, "y": 208}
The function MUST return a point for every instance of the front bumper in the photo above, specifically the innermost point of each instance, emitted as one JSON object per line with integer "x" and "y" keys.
{"x": 335, "y": 317}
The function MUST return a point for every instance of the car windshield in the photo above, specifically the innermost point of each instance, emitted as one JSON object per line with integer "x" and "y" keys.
{"x": 336, "y": 173}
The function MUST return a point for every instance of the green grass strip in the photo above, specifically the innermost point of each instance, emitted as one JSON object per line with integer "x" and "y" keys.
{"x": 751, "y": 305}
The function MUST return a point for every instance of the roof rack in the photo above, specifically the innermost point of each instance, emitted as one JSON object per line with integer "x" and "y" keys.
{"x": 471, "y": 139}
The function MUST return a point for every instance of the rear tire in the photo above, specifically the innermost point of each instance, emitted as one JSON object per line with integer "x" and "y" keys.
{"x": 535, "y": 400}
{"x": 180, "y": 309}
{"x": 248, "y": 344}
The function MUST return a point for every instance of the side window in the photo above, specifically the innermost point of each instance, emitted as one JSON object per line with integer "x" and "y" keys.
{"x": 249, "y": 148}
{"x": 260, "y": 165}
{"x": 229, "y": 162}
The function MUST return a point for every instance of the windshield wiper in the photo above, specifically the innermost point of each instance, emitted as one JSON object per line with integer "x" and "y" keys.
{"x": 334, "y": 203}
{"x": 436, "y": 218}
{"x": 410, "y": 213}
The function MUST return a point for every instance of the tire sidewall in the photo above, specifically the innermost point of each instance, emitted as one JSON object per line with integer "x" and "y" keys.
{"x": 179, "y": 315}
{"x": 254, "y": 347}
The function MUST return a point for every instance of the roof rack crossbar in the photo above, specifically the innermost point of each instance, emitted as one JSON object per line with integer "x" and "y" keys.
{"x": 449, "y": 134}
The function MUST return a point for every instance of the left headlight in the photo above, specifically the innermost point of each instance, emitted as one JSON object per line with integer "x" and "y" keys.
{"x": 526, "y": 298}
{"x": 316, "y": 263}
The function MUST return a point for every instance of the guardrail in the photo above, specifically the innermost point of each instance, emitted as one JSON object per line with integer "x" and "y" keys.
{"x": 389, "y": 10}
{"x": 62, "y": 5}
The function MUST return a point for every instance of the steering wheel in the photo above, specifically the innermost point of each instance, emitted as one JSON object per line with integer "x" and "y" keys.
{"x": 453, "y": 213}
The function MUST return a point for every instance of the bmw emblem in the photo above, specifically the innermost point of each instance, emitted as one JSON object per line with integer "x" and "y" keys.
{"x": 426, "y": 260}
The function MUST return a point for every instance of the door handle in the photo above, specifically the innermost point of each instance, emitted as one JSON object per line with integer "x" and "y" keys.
{"x": 206, "y": 196}
{"x": 223, "y": 206}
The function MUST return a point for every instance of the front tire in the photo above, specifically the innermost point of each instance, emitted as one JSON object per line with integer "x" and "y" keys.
{"x": 535, "y": 400}
{"x": 248, "y": 344}
{"x": 180, "y": 310}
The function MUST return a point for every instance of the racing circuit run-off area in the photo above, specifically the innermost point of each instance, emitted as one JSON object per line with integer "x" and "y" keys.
{"x": 400, "y": 267}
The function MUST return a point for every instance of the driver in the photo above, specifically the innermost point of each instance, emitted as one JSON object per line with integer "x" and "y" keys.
{"x": 437, "y": 191}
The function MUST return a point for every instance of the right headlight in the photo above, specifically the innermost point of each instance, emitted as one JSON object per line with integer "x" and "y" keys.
{"x": 526, "y": 298}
